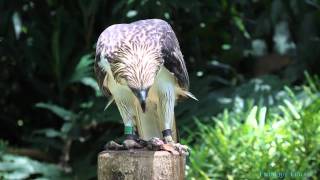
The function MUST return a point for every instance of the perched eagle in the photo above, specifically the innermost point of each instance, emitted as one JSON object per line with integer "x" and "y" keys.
{"x": 140, "y": 67}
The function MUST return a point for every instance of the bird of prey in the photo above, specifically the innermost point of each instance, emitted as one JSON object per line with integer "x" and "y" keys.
{"x": 140, "y": 66}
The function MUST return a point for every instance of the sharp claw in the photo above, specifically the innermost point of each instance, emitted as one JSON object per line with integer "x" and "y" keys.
{"x": 182, "y": 149}
{"x": 157, "y": 144}
{"x": 154, "y": 144}
{"x": 127, "y": 144}
{"x": 142, "y": 142}
{"x": 169, "y": 148}
{"x": 113, "y": 146}
{"x": 131, "y": 144}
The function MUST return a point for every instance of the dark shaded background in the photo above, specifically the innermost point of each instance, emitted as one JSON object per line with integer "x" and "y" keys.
{"x": 51, "y": 109}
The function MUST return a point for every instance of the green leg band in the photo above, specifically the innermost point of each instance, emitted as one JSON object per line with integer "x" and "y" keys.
{"x": 128, "y": 130}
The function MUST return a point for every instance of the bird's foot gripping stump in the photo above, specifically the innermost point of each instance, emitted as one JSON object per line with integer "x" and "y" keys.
{"x": 140, "y": 165}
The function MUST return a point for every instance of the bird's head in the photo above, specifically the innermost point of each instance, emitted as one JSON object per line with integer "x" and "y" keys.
{"x": 137, "y": 68}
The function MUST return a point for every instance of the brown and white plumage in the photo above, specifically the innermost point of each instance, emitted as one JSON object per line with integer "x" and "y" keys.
{"x": 145, "y": 57}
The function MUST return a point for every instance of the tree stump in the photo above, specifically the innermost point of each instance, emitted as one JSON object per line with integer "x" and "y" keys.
{"x": 140, "y": 165}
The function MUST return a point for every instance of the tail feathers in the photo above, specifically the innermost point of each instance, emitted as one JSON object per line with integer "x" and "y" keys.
{"x": 109, "y": 103}
{"x": 188, "y": 94}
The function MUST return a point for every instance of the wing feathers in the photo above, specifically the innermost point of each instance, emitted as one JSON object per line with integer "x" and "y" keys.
{"x": 173, "y": 59}
{"x": 101, "y": 75}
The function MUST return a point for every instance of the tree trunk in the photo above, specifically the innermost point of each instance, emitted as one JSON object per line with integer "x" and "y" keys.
{"x": 140, "y": 165}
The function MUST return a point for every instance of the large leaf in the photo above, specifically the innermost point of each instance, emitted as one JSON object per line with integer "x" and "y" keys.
{"x": 89, "y": 81}
{"x": 58, "y": 110}
{"x": 14, "y": 167}
{"x": 83, "y": 69}
{"x": 50, "y": 133}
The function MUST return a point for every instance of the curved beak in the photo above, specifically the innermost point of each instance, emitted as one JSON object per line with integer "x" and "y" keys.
{"x": 142, "y": 95}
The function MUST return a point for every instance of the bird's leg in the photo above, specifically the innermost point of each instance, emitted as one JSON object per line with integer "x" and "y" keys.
{"x": 167, "y": 135}
{"x": 126, "y": 109}
{"x": 166, "y": 112}
{"x": 130, "y": 141}
{"x": 156, "y": 144}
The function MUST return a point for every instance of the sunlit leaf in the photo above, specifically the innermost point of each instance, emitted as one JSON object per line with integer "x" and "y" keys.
{"x": 66, "y": 127}
{"x": 239, "y": 23}
{"x": 251, "y": 119}
{"x": 292, "y": 109}
{"x": 17, "y": 24}
{"x": 83, "y": 69}
{"x": 132, "y": 13}
{"x": 50, "y": 133}
{"x": 89, "y": 81}
{"x": 262, "y": 117}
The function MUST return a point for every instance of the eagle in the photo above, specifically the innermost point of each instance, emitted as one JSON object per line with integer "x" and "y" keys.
{"x": 140, "y": 66}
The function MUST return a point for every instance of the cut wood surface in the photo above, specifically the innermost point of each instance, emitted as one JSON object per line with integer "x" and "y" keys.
{"x": 140, "y": 165}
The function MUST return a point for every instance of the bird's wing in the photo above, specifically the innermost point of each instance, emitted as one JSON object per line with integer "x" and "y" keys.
{"x": 106, "y": 51}
{"x": 173, "y": 58}
{"x": 101, "y": 76}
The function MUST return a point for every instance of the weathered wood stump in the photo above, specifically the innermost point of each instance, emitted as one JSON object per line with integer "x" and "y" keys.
{"x": 140, "y": 165}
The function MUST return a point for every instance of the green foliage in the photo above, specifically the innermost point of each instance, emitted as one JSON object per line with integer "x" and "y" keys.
{"x": 59, "y": 111}
{"x": 17, "y": 167}
{"x": 255, "y": 141}
{"x": 51, "y": 101}
{"x": 82, "y": 69}
{"x": 3, "y": 146}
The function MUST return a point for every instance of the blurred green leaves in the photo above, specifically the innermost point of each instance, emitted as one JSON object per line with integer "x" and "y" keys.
{"x": 83, "y": 73}
{"x": 132, "y": 13}
{"x": 17, "y": 24}
{"x": 287, "y": 140}
{"x": 83, "y": 69}
{"x": 59, "y": 111}
{"x": 47, "y": 51}
{"x": 14, "y": 167}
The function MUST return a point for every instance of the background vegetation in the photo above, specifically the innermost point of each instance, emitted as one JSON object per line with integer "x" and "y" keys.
{"x": 257, "y": 113}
